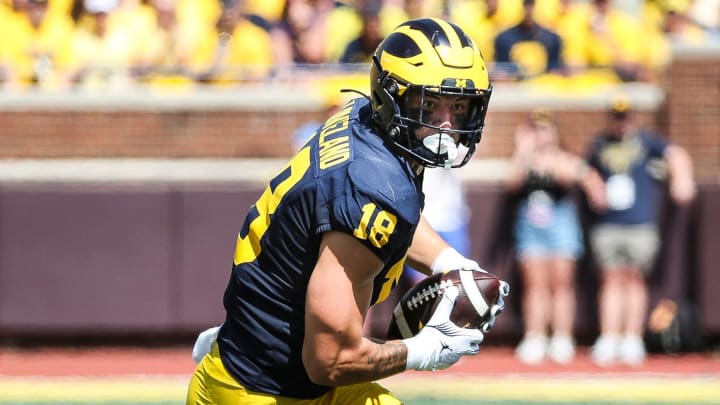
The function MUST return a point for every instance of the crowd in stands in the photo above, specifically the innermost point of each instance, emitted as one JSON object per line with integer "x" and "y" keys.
{"x": 89, "y": 43}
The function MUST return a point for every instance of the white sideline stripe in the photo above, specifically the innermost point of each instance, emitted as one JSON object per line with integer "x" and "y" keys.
{"x": 473, "y": 293}
{"x": 401, "y": 322}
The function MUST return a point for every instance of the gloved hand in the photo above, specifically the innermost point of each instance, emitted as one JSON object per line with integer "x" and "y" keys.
{"x": 441, "y": 343}
{"x": 204, "y": 342}
{"x": 451, "y": 259}
{"x": 497, "y": 308}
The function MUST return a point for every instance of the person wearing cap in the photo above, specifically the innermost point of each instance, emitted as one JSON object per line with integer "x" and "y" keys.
{"x": 547, "y": 235}
{"x": 634, "y": 163}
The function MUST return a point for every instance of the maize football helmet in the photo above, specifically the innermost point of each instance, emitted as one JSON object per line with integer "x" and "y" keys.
{"x": 428, "y": 56}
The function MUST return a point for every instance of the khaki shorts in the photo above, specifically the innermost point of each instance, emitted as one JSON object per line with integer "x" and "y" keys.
{"x": 623, "y": 246}
{"x": 212, "y": 384}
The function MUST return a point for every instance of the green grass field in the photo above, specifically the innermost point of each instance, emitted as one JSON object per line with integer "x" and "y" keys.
{"x": 509, "y": 390}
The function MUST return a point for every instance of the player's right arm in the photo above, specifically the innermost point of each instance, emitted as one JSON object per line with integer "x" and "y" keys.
{"x": 338, "y": 297}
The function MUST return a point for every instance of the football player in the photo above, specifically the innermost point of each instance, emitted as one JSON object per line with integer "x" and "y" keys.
{"x": 329, "y": 237}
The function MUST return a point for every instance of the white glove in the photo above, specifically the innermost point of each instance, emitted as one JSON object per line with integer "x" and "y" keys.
{"x": 451, "y": 259}
{"x": 204, "y": 342}
{"x": 441, "y": 343}
{"x": 497, "y": 308}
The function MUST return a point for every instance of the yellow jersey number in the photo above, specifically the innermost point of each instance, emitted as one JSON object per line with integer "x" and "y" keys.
{"x": 377, "y": 226}
{"x": 247, "y": 247}
{"x": 382, "y": 226}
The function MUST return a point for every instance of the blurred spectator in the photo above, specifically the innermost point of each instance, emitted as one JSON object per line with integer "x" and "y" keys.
{"x": 603, "y": 37}
{"x": 679, "y": 27}
{"x": 361, "y": 48}
{"x": 168, "y": 49}
{"x": 446, "y": 207}
{"x": 566, "y": 18}
{"x": 527, "y": 49}
{"x": 6, "y": 13}
{"x": 313, "y": 32}
{"x": 625, "y": 241}
{"x": 483, "y": 20}
{"x": 103, "y": 47}
{"x": 239, "y": 48}
{"x": 395, "y": 12}
{"x": 548, "y": 237}
{"x": 707, "y": 14}
{"x": 269, "y": 10}
{"x": 32, "y": 40}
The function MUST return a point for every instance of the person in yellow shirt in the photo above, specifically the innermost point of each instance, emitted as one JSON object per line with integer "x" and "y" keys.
{"x": 678, "y": 26}
{"x": 238, "y": 49}
{"x": 30, "y": 57}
{"x": 172, "y": 41}
{"x": 608, "y": 38}
{"x": 108, "y": 44}
{"x": 483, "y": 20}
{"x": 270, "y": 10}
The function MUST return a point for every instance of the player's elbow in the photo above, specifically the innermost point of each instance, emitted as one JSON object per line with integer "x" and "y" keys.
{"x": 326, "y": 369}
{"x": 320, "y": 374}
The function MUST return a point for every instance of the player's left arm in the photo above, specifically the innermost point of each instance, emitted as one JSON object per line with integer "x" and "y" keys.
{"x": 429, "y": 253}
{"x": 425, "y": 247}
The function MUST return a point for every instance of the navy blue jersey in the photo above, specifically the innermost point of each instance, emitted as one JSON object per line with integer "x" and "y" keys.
{"x": 344, "y": 179}
{"x": 636, "y": 157}
{"x": 533, "y": 51}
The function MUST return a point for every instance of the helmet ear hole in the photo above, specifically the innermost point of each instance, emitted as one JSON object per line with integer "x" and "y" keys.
{"x": 393, "y": 88}
{"x": 394, "y": 132}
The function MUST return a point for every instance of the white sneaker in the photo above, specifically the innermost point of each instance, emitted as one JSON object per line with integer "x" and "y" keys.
{"x": 605, "y": 350}
{"x": 561, "y": 349}
{"x": 632, "y": 350}
{"x": 532, "y": 348}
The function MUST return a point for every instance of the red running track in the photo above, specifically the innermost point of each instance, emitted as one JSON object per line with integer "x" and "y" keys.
{"x": 177, "y": 361}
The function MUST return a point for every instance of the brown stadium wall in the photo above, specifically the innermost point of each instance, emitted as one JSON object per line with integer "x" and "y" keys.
{"x": 139, "y": 257}
{"x": 117, "y": 260}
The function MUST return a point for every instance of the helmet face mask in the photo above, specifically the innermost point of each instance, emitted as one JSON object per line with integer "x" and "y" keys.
{"x": 423, "y": 60}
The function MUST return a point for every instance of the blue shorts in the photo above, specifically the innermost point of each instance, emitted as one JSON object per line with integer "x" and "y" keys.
{"x": 548, "y": 230}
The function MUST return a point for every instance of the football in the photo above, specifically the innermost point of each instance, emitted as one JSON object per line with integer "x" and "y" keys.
{"x": 478, "y": 292}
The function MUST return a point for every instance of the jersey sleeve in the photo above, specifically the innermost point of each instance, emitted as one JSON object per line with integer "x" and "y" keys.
{"x": 379, "y": 209}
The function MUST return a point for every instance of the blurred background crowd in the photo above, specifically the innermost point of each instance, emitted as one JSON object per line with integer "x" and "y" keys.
{"x": 61, "y": 44}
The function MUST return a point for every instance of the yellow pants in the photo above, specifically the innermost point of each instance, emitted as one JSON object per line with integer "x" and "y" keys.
{"x": 211, "y": 384}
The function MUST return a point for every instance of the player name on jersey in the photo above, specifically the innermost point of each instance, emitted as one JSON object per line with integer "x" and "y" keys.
{"x": 335, "y": 149}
